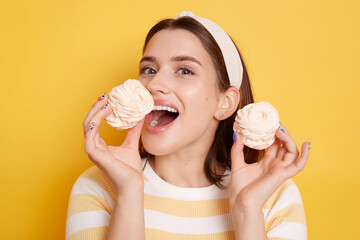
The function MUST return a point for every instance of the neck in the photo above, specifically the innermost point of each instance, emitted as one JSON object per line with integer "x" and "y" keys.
{"x": 181, "y": 171}
{"x": 185, "y": 168}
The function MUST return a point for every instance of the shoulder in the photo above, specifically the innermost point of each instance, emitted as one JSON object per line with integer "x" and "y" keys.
{"x": 94, "y": 182}
{"x": 90, "y": 205}
{"x": 287, "y": 194}
{"x": 284, "y": 212}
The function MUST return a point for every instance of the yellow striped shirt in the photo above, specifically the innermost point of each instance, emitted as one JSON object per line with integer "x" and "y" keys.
{"x": 173, "y": 212}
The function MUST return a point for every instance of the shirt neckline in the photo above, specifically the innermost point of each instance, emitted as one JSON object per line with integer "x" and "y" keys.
{"x": 154, "y": 179}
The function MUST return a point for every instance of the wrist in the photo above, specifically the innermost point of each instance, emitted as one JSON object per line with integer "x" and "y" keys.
{"x": 246, "y": 207}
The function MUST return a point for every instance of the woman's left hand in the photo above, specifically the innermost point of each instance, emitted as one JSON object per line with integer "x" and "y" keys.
{"x": 251, "y": 185}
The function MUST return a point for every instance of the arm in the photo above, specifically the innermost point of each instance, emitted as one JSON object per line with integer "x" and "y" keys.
{"x": 121, "y": 166}
{"x": 90, "y": 205}
{"x": 127, "y": 220}
{"x": 249, "y": 224}
{"x": 96, "y": 212}
{"x": 284, "y": 213}
{"x": 282, "y": 216}
{"x": 252, "y": 185}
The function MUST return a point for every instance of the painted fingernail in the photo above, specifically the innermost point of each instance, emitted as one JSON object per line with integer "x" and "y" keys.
{"x": 234, "y": 137}
{"x": 92, "y": 125}
{"x": 309, "y": 145}
{"x": 105, "y": 106}
{"x": 102, "y": 97}
{"x": 281, "y": 129}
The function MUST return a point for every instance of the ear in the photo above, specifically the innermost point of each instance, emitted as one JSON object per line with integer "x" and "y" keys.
{"x": 228, "y": 103}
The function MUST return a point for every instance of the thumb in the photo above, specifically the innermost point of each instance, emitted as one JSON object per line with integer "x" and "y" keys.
{"x": 237, "y": 154}
{"x": 133, "y": 136}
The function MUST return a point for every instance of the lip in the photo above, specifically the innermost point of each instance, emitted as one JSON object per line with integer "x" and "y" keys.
{"x": 156, "y": 130}
{"x": 165, "y": 103}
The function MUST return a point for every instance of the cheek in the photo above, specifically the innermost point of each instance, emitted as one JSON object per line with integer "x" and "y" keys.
{"x": 143, "y": 81}
{"x": 203, "y": 105}
{"x": 206, "y": 96}
{"x": 200, "y": 91}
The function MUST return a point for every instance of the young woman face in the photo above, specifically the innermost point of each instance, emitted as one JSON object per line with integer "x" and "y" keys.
{"x": 180, "y": 75}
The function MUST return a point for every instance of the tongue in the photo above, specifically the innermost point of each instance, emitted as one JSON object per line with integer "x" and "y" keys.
{"x": 165, "y": 119}
{"x": 162, "y": 117}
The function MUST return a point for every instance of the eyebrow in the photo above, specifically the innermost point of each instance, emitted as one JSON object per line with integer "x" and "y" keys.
{"x": 173, "y": 59}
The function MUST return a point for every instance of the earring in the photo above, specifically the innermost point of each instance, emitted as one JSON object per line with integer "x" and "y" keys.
{"x": 221, "y": 115}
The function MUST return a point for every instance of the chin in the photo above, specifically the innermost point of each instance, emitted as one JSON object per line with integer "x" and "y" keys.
{"x": 158, "y": 150}
{"x": 157, "y": 146}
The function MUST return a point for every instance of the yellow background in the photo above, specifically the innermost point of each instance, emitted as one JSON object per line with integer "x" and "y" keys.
{"x": 58, "y": 57}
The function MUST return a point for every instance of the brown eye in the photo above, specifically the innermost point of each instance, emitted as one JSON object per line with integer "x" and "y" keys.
{"x": 185, "y": 71}
{"x": 148, "y": 71}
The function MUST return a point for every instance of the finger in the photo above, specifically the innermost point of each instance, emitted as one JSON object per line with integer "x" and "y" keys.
{"x": 273, "y": 149}
{"x": 94, "y": 108}
{"x": 281, "y": 152}
{"x": 284, "y": 129}
{"x": 100, "y": 143}
{"x": 237, "y": 153}
{"x": 102, "y": 112}
{"x": 90, "y": 145}
{"x": 133, "y": 135}
{"x": 300, "y": 163}
{"x": 91, "y": 131}
{"x": 292, "y": 151}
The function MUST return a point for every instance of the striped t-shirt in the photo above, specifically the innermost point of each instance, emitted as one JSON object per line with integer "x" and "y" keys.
{"x": 173, "y": 212}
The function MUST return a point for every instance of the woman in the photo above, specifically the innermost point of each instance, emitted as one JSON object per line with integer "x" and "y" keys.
{"x": 196, "y": 179}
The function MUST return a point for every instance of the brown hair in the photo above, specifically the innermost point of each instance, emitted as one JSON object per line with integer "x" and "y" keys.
{"x": 219, "y": 152}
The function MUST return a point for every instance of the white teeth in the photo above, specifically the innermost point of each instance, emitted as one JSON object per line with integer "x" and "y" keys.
{"x": 170, "y": 109}
{"x": 153, "y": 123}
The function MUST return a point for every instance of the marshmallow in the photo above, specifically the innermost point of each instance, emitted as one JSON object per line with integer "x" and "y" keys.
{"x": 130, "y": 102}
{"x": 257, "y": 123}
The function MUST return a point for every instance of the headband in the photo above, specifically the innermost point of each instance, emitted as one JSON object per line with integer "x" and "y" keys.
{"x": 231, "y": 56}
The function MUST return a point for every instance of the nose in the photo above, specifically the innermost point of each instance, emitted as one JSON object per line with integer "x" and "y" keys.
{"x": 158, "y": 83}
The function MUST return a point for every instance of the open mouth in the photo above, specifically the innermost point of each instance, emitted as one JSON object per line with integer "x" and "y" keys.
{"x": 161, "y": 116}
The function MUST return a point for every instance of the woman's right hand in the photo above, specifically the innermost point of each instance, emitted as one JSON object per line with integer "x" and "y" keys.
{"x": 121, "y": 164}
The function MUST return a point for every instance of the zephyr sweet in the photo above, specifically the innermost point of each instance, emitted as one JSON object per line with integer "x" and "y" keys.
{"x": 257, "y": 123}
{"x": 130, "y": 102}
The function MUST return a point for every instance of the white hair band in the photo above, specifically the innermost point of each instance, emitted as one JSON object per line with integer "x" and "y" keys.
{"x": 231, "y": 56}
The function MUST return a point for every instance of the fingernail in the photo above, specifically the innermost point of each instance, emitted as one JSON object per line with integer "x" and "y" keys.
{"x": 102, "y": 97}
{"x": 105, "y": 106}
{"x": 234, "y": 137}
{"x": 309, "y": 145}
{"x": 281, "y": 129}
{"x": 92, "y": 125}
